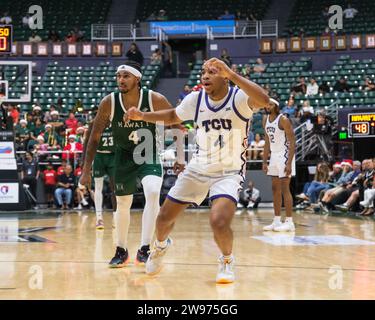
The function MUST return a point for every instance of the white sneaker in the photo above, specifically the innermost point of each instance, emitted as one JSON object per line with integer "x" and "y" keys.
{"x": 84, "y": 202}
{"x": 250, "y": 205}
{"x": 275, "y": 223}
{"x": 155, "y": 259}
{"x": 225, "y": 273}
{"x": 285, "y": 227}
{"x": 79, "y": 207}
{"x": 364, "y": 204}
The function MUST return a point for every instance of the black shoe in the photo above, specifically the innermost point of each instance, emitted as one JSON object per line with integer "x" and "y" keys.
{"x": 120, "y": 259}
{"x": 142, "y": 255}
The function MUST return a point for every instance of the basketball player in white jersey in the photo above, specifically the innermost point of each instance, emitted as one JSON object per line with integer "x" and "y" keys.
{"x": 280, "y": 142}
{"x": 222, "y": 115}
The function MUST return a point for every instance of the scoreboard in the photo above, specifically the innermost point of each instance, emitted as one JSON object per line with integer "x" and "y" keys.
{"x": 6, "y": 37}
{"x": 361, "y": 125}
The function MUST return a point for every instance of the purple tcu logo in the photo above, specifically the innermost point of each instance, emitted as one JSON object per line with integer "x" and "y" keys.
{"x": 4, "y": 190}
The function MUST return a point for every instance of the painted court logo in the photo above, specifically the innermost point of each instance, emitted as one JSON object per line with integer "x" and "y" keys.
{"x": 4, "y": 190}
{"x": 5, "y": 150}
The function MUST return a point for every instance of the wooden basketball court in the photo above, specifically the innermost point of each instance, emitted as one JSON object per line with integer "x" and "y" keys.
{"x": 62, "y": 256}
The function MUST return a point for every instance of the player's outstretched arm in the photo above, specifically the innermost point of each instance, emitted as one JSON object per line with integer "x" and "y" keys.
{"x": 168, "y": 117}
{"x": 258, "y": 97}
{"x": 101, "y": 121}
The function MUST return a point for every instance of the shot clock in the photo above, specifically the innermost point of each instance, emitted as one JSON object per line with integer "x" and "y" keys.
{"x": 6, "y": 38}
{"x": 361, "y": 125}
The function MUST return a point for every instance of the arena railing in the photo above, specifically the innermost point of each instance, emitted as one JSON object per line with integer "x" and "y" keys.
{"x": 242, "y": 29}
{"x": 307, "y": 140}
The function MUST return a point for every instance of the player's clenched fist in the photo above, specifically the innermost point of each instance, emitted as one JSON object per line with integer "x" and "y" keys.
{"x": 133, "y": 114}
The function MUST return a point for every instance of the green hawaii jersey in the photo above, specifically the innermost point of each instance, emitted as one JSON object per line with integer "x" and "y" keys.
{"x": 129, "y": 135}
{"x": 106, "y": 142}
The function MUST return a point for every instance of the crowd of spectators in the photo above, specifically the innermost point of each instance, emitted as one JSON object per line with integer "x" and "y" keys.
{"x": 347, "y": 185}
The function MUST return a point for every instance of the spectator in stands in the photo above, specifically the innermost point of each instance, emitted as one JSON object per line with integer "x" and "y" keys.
{"x": 22, "y": 134}
{"x": 134, "y": 54}
{"x": 234, "y": 68}
{"x": 71, "y": 122}
{"x": 34, "y": 37}
{"x": 328, "y": 32}
{"x": 301, "y": 33}
{"x": 54, "y": 36}
{"x": 240, "y": 15}
{"x": 80, "y": 135}
{"x": 167, "y": 55}
{"x": 50, "y": 181}
{"x": 341, "y": 86}
{"x": 56, "y": 122}
{"x": 83, "y": 195}
{"x": 37, "y": 113}
{"x": 184, "y": 93}
{"x": 227, "y": 16}
{"x": 71, "y": 37}
{"x": 256, "y": 148}
{"x": 73, "y": 149}
{"x": 368, "y": 202}
{"x": 65, "y": 187}
{"x": 13, "y": 113}
{"x": 364, "y": 182}
{"x": 156, "y": 56}
{"x": 246, "y": 71}
{"x": 25, "y": 20}
{"x": 61, "y": 168}
{"x": 41, "y": 148}
{"x": 162, "y": 16}
{"x": 78, "y": 170}
{"x": 312, "y": 88}
{"x": 31, "y": 142}
{"x": 369, "y": 85}
{"x": 38, "y": 127}
{"x": 307, "y": 115}
{"x": 50, "y": 136}
{"x": 300, "y": 87}
{"x": 226, "y": 57}
{"x": 311, "y": 190}
{"x": 259, "y": 67}
{"x": 47, "y": 114}
{"x": 325, "y": 13}
{"x": 30, "y": 172}
{"x": 250, "y": 198}
{"x": 290, "y": 109}
{"x": 30, "y": 121}
{"x": 350, "y": 12}
{"x": 6, "y": 18}
{"x": 79, "y": 34}
{"x": 324, "y": 88}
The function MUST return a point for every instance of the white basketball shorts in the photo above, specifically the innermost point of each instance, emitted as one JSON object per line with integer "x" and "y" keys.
{"x": 276, "y": 167}
{"x": 192, "y": 188}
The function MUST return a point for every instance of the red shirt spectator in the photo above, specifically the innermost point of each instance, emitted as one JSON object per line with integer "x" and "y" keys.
{"x": 78, "y": 172}
{"x": 60, "y": 170}
{"x": 71, "y": 122}
{"x": 50, "y": 177}
{"x": 72, "y": 147}
{"x": 13, "y": 112}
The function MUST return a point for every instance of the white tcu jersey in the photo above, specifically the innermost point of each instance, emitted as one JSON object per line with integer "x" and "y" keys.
{"x": 221, "y": 137}
{"x": 276, "y": 136}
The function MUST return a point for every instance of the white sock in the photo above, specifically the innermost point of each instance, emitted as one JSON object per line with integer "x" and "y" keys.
{"x": 161, "y": 244}
{"x": 99, "y": 197}
{"x": 277, "y": 219}
{"x": 151, "y": 189}
{"x": 288, "y": 220}
{"x": 124, "y": 204}
{"x": 228, "y": 258}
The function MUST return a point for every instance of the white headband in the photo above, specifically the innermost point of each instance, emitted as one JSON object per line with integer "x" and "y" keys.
{"x": 274, "y": 101}
{"x": 129, "y": 69}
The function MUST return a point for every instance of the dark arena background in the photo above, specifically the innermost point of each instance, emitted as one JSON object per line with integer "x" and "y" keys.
{"x": 58, "y": 60}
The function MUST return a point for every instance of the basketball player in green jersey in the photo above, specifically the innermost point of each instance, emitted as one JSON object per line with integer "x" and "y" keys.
{"x": 104, "y": 164}
{"x": 129, "y": 164}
